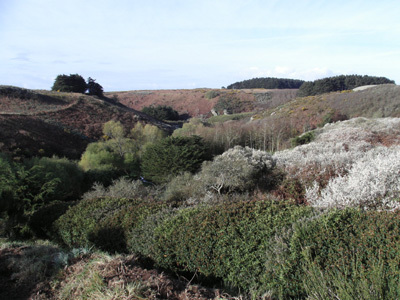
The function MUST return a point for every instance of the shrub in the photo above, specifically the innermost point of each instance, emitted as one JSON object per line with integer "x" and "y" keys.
{"x": 119, "y": 188}
{"x": 27, "y": 187}
{"x": 161, "y": 112}
{"x": 351, "y": 245}
{"x": 181, "y": 188}
{"x": 227, "y": 240}
{"x": 171, "y": 156}
{"x": 69, "y": 83}
{"x": 372, "y": 182}
{"x": 116, "y": 153}
{"x": 229, "y": 104}
{"x": 103, "y": 223}
{"x": 303, "y": 139}
{"x": 211, "y": 94}
{"x": 41, "y": 222}
{"x": 142, "y": 239}
{"x": 67, "y": 173}
{"x": 236, "y": 170}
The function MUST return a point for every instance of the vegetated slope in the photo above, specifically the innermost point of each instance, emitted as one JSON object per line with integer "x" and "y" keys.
{"x": 47, "y": 123}
{"x": 200, "y": 102}
{"x": 306, "y": 113}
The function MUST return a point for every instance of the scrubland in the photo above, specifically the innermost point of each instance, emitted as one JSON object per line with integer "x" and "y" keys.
{"x": 295, "y": 201}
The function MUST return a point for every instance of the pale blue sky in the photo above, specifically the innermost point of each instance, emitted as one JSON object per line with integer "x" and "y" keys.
{"x": 168, "y": 44}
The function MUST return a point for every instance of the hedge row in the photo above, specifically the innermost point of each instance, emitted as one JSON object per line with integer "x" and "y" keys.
{"x": 103, "y": 223}
{"x": 259, "y": 246}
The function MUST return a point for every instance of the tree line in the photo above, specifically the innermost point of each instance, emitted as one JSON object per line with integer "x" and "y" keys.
{"x": 267, "y": 83}
{"x": 339, "y": 83}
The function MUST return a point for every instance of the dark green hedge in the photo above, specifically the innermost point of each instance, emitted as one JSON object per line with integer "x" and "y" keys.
{"x": 345, "y": 247}
{"x": 227, "y": 241}
{"x": 103, "y": 223}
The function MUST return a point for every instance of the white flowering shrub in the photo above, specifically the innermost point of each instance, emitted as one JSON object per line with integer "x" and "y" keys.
{"x": 238, "y": 169}
{"x": 120, "y": 188}
{"x": 336, "y": 147}
{"x": 373, "y": 182}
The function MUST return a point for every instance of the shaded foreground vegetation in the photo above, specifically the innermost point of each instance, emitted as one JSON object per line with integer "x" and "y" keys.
{"x": 225, "y": 204}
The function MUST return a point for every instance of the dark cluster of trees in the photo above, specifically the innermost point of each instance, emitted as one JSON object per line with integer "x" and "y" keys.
{"x": 339, "y": 83}
{"x": 74, "y": 83}
{"x": 267, "y": 83}
{"x": 161, "y": 112}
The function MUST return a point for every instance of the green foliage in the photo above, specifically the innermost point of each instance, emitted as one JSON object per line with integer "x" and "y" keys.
{"x": 41, "y": 221}
{"x": 211, "y": 94}
{"x": 267, "y": 83}
{"x": 161, "y": 112}
{"x": 349, "y": 245}
{"x": 230, "y": 104}
{"x": 338, "y": 83}
{"x": 146, "y": 135}
{"x": 228, "y": 240}
{"x": 182, "y": 187}
{"x": 27, "y": 187}
{"x": 142, "y": 239}
{"x": 103, "y": 223}
{"x": 94, "y": 88}
{"x": 351, "y": 281}
{"x": 65, "y": 173}
{"x": 303, "y": 139}
{"x": 70, "y": 83}
{"x": 171, "y": 156}
{"x": 117, "y": 153}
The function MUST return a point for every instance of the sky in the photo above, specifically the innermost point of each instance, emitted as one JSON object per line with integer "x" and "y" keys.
{"x": 185, "y": 44}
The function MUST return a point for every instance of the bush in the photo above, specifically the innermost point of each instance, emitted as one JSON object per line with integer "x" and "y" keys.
{"x": 350, "y": 245}
{"x": 116, "y": 153}
{"x": 211, "y": 94}
{"x": 119, "y": 188}
{"x": 103, "y": 223}
{"x": 236, "y": 170}
{"x": 229, "y": 104}
{"x": 27, "y": 187}
{"x": 182, "y": 188}
{"x": 41, "y": 222}
{"x": 161, "y": 112}
{"x": 227, "y": 241}
{"x": 372, "y": 182}
{"x": 171, "y": 156}
{"x": 303, "y": 139}
{"x": 70, "y": 83}
{"x": 68, "y": 174}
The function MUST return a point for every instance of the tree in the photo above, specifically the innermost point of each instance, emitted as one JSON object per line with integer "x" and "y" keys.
{"x": 161, "y": 112}
{"x": 94, "y": 88}
{"x": 115, "y": 153}
{"x": 70, "y": 83}
{"x": 172, "y": 156}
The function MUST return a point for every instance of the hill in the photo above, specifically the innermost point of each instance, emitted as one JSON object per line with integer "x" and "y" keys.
{"x": 46, "y": 123}
{"x": 200, "y": 102}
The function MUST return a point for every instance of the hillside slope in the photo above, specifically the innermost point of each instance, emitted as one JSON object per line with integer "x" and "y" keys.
{"x": 47, "y": 123}
{"x": 305, "y": 113}
{"x": 196, "y": 102}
